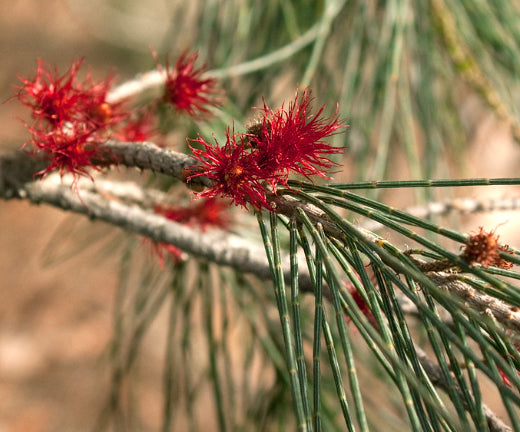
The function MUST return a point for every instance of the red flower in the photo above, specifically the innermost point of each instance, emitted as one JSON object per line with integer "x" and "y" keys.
{"x": 234, "y": 170}
{"x": 52, "y": 98}
{"x": 56, "y": 100}
{"x": 211, "y": 212}
{"x": 363, "y": 306}
{"x": 283, "y": 141}
{"x": 71, "y": 117}
{"x": 163, "y": 250}
{"x": 292, "y": 140}
{"x": 505, "y": 379}
{"x": 140, "y": 128}
{"x": 360, "y": 301}
{"x": 70, "y": 149}
{"x": 202, "y": 214}
{"x": 98, "y": 113}
{"x": 187, "y": 90}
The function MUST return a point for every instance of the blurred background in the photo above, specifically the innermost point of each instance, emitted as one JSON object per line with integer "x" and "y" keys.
{"x": 56, "y": 313}
{"x": 417, "y": 108}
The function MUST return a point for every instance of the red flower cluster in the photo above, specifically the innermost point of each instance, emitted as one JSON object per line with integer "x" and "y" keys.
{"x": 187, "y": 90}
{"x": 292, "y": 140}
{"x": 283, "y": 141}
{"x": 234, "y": 170}
{"x": 140, "y": 126}
{"x": 483, "y": 248}
{"x": 53, "y": 99}
{"x": 71, "y": 148}
{"x": 202, "y": 214}
{"x": 71, "y": 116}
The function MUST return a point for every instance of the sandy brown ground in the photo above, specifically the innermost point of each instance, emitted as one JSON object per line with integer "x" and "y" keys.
{"x": 55, "y": 320}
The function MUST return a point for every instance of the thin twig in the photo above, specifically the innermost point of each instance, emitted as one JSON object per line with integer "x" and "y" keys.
{"x": 459, "y": 205}
{"x": 155, "y": 78}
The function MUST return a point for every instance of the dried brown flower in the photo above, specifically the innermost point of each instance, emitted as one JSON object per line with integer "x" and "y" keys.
{"x": 483, "y": 248}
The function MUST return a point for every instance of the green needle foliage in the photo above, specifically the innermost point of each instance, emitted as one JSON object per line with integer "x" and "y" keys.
{"x": 362, "y": 333}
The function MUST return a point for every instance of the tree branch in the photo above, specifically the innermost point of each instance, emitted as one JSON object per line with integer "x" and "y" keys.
{"x": 216, "y": 246}
{"x": 505, "y": 314}
{"x": 155, "y": 78}
{"x": 122, "y": 210}
{"x": 147, "y": 155}
{"x": 18, "y": 169}
{"x": 459, "y": 205}
{"x": 436, "y": 376}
